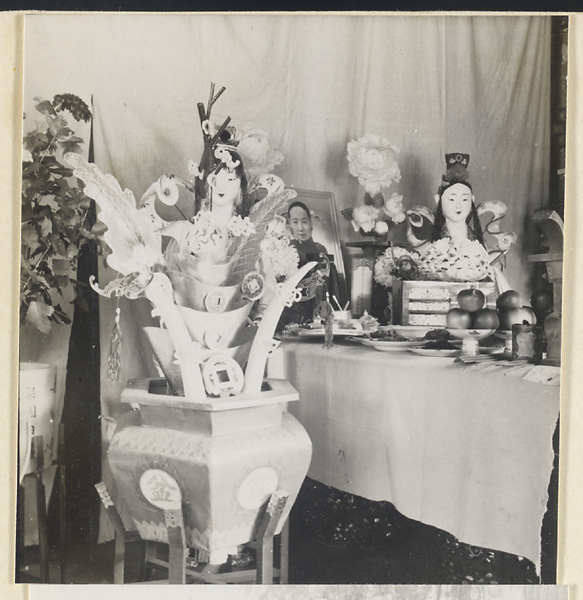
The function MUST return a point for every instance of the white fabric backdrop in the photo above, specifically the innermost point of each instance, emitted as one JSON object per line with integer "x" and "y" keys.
{"x": 430, "y": 84}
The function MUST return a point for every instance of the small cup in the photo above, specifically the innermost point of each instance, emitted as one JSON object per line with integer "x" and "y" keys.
{"x": 527, "y": 343}
{"x": 342, "y": 315}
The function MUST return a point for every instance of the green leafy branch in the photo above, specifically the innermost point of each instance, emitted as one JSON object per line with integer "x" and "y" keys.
{"x": 54, "y": 214}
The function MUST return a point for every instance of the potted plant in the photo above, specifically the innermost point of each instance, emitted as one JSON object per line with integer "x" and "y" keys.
{"x": 55, "y": 226}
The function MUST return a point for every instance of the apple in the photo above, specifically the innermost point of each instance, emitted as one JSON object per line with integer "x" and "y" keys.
{"x": 542, "y": 301}
{"x": 486, "y": 318}
{"x": 471, "y": 299}
{"x": 517, "y": 316}
{"x": 507, "y": 300}
{"x": 458, "y": 318}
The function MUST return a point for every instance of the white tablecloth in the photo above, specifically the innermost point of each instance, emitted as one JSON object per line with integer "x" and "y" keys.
{"x": 465, "y": 448}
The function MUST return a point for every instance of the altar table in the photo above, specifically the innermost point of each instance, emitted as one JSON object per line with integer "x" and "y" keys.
{"x": 464, "y": 448}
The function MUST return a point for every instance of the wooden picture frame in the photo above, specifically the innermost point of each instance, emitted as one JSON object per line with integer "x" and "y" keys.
{"x": 325, "y": 223}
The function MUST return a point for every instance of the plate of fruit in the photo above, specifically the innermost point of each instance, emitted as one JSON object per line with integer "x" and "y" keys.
{"x": 437, "y": 342}
{"x": 387, "y": 340}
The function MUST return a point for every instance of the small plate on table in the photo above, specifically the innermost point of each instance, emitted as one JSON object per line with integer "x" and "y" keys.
{"x": 320, "y": 333}
{"x": 411, "y": 332}
{"x": 443, "y": 352}
{"x": 390, "y": 345}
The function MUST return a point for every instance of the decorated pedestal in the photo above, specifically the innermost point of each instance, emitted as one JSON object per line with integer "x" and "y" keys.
{"x": 213, "y": 443}
{"x": 427, "y": 302}
{"x": 223, "y": 458}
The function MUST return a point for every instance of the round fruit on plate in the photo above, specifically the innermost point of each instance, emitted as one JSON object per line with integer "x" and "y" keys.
{"x": 471, "y": 299}
{"x": 458, "y": 318}
{"x": 517, "y": 316}
{"x": 507, "y": 300}
{"x": 485, "y": 318}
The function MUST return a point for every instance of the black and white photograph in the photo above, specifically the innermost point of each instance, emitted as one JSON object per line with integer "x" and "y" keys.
{"x": 291, "y": 294}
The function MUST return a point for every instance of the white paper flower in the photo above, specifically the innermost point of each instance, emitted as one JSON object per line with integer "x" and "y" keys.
{"x": 280, "y": 258}
{"x": 258, "y": 154}
{"x": 167, "y": 190}
{"x": 277, "y": 227}
{"x": 374, "y": 161}
{"x": 239, "y": 226}
{"x": 394, "y": 208}
{"x": 364, "y": 217}
{"x": 194, "y": 169}
{"x": 381, "y": 227}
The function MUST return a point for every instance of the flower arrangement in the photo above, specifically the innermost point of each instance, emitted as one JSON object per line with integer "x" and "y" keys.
{"x": 257, "y": 151}
{"x": 373, "y": 160}
{"x": 55, "y": 223}
{"x": 396, "y": 262}
{"x": 277, "y": 254}
{"x": 444, "y": 260}
{"x": 449, "y": 260}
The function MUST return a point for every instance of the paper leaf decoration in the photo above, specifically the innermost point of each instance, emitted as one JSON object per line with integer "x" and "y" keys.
{"x": 261, "y": 214}
{"x": 134, "y": 246}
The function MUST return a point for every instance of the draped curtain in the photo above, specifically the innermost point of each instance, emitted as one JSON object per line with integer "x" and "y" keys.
{"x": 430, "y": 84}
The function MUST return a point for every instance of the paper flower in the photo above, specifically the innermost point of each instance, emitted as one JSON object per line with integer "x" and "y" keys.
{"x": 449, "y": 260}
{"x": 279, "y": 257}
{"x": 394, "y": 208}
{"x": 258, "y": 154}
{"x": 374, "y": 161}
{"x": 167, "y": 190}
{"x": 396, "y": 262}
{"x": 239, "y": 226}
{"x": 277, "y": 227}
{"x": 364, "y": 217}
{"x": 381, "y": 228}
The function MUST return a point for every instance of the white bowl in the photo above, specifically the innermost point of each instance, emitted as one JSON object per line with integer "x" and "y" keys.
{"x": 411, "y": 332}
{"x": 476, "y": 334}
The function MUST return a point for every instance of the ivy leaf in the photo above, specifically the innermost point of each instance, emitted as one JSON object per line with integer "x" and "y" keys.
{"x": 62, "y": 266}
{"x": 39, "y": 280}
{"x": 71, "y": 144}
{"x": 72, "y": 251}
{"x": 50, "y": 202}
{"x": 63, "y": 282}
{"x": 30, "y": 238}
{"x": 45, "y": 107}
{"x": 62, "y": 316}
{"x": 347, "y": 213}
{"x": 58, "y": 245}
{"x": 367, "y": 199}
{"x": 38, "y": 315}
{"x": 36, "y": 141}
{"x": 378, "y": 200}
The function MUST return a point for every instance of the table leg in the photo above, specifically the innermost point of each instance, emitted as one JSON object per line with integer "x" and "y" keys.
{"x": 265, "y": 560}
{"x": 284, "y": 554}
{"x": 62, "y": 503}
{"x": 41, "y": 508}
{"x": 176, "y": 546}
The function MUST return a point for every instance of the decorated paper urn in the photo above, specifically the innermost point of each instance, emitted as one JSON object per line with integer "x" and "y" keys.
{"x": 213, "y": 436}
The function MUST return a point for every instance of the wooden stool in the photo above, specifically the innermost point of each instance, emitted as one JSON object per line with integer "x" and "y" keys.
{"x": 179, "y": 565}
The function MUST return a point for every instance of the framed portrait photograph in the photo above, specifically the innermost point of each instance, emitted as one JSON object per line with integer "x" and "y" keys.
{"x": 325, "y": 231}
